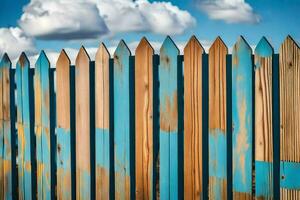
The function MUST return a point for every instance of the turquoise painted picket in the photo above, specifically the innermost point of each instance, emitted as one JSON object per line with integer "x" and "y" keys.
{"x": 242, "y": 113}
{"x": 95, "y": 142}
{"x": 168, "y": 133}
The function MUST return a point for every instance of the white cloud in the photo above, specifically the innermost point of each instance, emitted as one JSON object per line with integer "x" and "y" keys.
{"x": 77, "y": 19}
{"x": 62, "y": 19}
{"x": 231, "y": 11}
{"x": 141, "y": 15}
{"x": 13, "y": 41}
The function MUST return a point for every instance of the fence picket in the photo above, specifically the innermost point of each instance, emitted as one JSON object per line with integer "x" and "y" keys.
{"x": 242, "y": 112}
{"x": 42, "y": 126}
{"x": 217, "y": 121}
{"x": 168, "y": 137}
{"x": 289, "y": 70}
{"x": 193, "y": 170}
{"x": 25, "y": 127}
{"x": 83, "y": 128}
{"x": 6, "y": 131}
{"x": 63, "y": 129}
{"x": 263, "y": 120}
{"x": 103, "y": 132}
{"x": 144, "y": 120}
{"x": 123, "y": 119}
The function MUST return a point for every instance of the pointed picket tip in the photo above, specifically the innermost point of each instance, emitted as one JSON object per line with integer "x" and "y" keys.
{"x": 218, "y": 43}
{"x": 195, "y": 42}
{"x": 289, "y": 40}
{"x": 102, "y": 50}
{"x": 122, "y": 48}
{"x": 264, "y": 48}
{"x": 144, "y": 44}
{"x": 5, "y": 61}
{"x": 241, "y": 44}
{"x": 169, "y": 44}
{"x": 23, "y": 60}
{"x": 82, "y": 56}
{"x": 63, "y": 58}
{"x": 42, "y": 58}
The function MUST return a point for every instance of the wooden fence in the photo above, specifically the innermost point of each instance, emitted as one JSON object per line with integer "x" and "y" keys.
{"x": 150, "y": 126}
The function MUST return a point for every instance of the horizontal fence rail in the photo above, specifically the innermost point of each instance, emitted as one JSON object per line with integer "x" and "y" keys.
{"x": 202, "y": 125}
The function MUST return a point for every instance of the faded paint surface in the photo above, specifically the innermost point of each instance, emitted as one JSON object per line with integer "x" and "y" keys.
{"x": 290, "y": 175}
{"x": 242, "y": 117}
{"x": 23, "y": 127}
{"x": 168, "y": 74}
{"x": 42, "y": 126}
{"x": 122, "y": 120}
{"x": 5, "y": 130}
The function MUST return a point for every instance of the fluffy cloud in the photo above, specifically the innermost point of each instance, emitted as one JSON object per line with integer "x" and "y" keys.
{"x": 66, "y": 19}
{"x": 141, "y": 15}
{"x": 231, "y": 11}
{"x": 62, "y": 19}
{"x": 13, "y": 41}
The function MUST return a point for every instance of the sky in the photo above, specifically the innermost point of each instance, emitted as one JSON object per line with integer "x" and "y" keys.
{"x": 51, "y": 25}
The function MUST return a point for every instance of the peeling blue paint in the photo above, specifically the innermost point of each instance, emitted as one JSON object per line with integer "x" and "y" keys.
{"x": 264, "y": 179}
{"x": 102, "y": 148}
{"x": 290, "y": 175}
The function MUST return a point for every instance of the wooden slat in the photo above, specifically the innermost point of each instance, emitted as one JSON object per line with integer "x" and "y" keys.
{"x": 168, "y": 145}
{"x": 63, "y": 129}
{"x": 102, "y": 88}
{"x": 263, "y": 120}
{"x": 5, "y": 130}
{"x": 289, "y": 72}
{"x": 122, "y": 119}
{"x": 42, "y": 126}
{"x": 242, "y": 112}
{"x": 24, "y": 129}
{"x": 217, "y": 121}
{"x": 144, "y": 120}
{"x": 193, "y": 171}
{"x": 83, "y": 129}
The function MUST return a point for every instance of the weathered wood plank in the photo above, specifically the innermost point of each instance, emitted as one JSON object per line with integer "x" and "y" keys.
{"x": 63, "y": 129}
{"x": 25, "y": 129}
{"x": 242, "y": 112}
{"x": 193, "y": 171}
{"x": 5, "y": 130}
{"x": 42, "y": 126}
{"x": 83, "y": 129}
{"x": 217, "y": 121}
{"x": 289, "y": 72}
{"x": 102, "y": 92}
{"x": 122, "y": 121}
{"x": 263, "y": 120}
{"x": 168, "y": 79}
{"x": 144, "y": 120}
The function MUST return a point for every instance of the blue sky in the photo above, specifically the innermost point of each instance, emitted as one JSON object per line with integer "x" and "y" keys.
{"x": 32, "y": 25}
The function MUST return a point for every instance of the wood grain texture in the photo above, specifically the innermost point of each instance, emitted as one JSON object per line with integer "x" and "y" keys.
{"x": 289, "y": 72}
{"x": 242, "y": 112}
{"x": 217, "y": 121}
{"x": 144, "y": 120}
{"x": 263, "y": 120}
{"x": 24, "y": 128}
{"x": 102, "y": 92}
{"x": 122, "y": 121}
{"x": 193, "y": 176}
{"x": 83, "y": 131}
{"x": 63, "y": 150}
{"x": 5, "y": 130}
{"x": 168, "y": 133}
{"x": 42, "y": 126}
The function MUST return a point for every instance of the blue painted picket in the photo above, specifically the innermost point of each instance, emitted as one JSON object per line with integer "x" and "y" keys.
{"x": 263, "y": 120}
{"x": 6, "y": 150}
{"x": 63, "y": 129}
{"x": 123, "y": 118}
{"x": 242, "y": 112}
{"x": 25, "y": 129}
{"x": 42, "y": 126}
{"x": 168, "y": 133}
